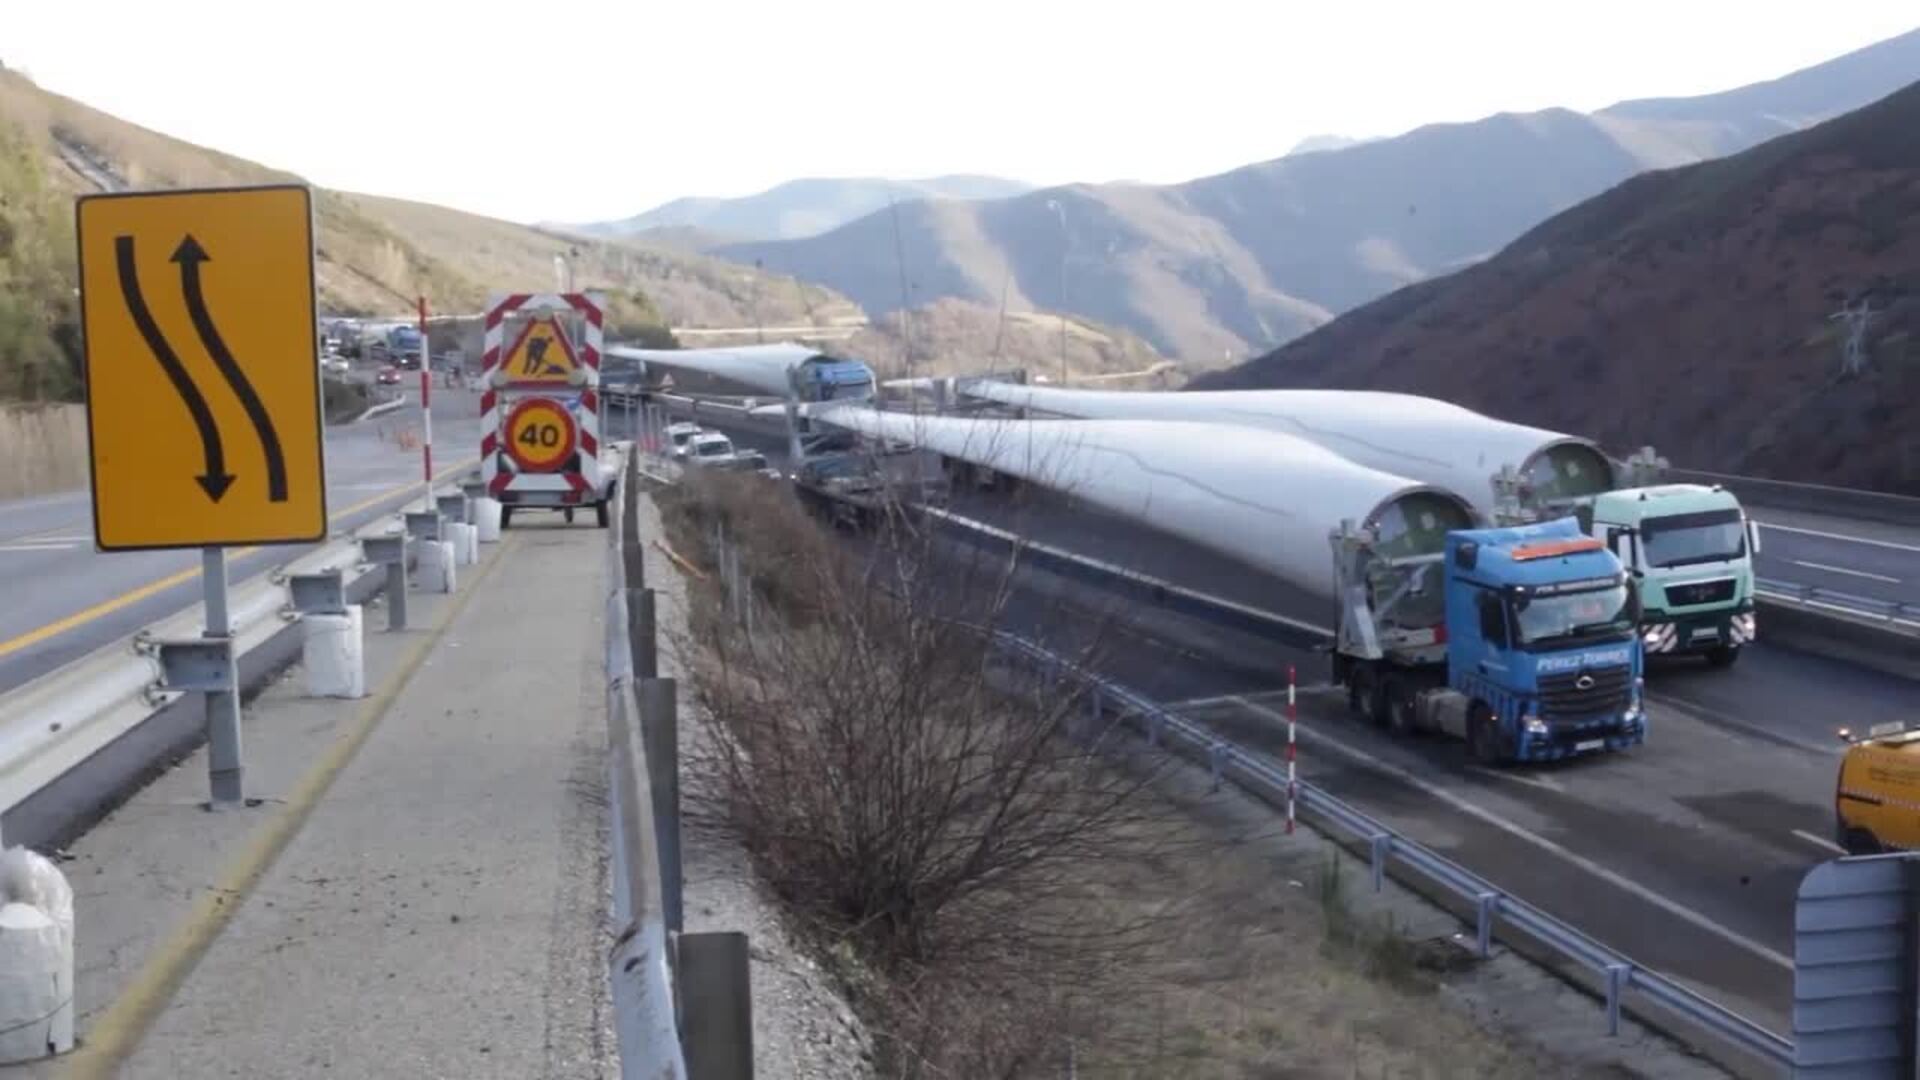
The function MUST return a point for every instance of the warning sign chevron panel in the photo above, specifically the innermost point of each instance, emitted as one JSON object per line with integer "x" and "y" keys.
{"x": 202, "y": 368}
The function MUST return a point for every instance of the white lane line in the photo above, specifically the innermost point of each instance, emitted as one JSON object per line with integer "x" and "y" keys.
{"x": 38, "y": 546}
{"x": 1844, "y": 570}
{"x": 1839, "y": 536}
{"x": 1545, "y": 782}
{"x": 1474, "y": 810}
{"x": 1818, "y": 841}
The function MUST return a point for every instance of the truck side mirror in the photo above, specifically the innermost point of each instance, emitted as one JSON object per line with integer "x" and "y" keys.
{"x": 1634, "y": 609}
{"x": 1753, "y": 537}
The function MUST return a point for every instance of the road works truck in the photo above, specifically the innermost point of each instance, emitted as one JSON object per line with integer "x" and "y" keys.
{"x": 540, "y": 409}
{"x": 1520, "y": 640}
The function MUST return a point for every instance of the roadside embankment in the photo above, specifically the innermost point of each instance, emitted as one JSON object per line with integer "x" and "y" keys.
{"x": 43, "y": 449}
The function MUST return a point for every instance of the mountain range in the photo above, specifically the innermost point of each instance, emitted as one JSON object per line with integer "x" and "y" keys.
{"x": 1228, "y": 265}
{"x": 797, "y": 208}
{"x": 1701, "y": 310}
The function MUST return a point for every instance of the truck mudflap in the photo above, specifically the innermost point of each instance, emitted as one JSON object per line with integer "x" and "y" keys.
{"x": 1684, "y": 634}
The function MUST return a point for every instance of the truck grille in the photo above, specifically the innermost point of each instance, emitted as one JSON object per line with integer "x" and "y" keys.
{"x": 1562, "y": 696}
{"x": 1700, "y": 592}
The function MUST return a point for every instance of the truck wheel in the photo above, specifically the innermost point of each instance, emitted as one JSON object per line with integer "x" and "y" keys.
{"x": 506, "y": 516}
{"x": 1483, "y": 736}
{"x": 1723, "y": 656}
{"x": 569, "y": 515}
{"x": 1399, "y": 709}
{"x": 600, "y": 513}
{"x": 1861, "y": 842}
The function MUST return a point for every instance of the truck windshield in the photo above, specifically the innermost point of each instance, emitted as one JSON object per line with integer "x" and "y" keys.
{"x": 1683, "y": 539}
{"x": 1574, "y": 615}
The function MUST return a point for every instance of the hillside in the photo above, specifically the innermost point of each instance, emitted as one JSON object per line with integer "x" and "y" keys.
{"x": 800, "y": 208}
{"x": 1689, "y": 309}
{"x": 374, "y": 255}
{"x": 958, "y": 337}
{"x": 1239, "y": 262}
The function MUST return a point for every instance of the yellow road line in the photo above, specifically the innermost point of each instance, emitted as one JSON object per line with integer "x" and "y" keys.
{"x": 118, "y": 1031}
{"x": 134, "y": 596}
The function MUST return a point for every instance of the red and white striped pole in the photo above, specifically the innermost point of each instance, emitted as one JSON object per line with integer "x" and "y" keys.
{"x": 426, "y": 409}
{"x": 1292, "y": 715}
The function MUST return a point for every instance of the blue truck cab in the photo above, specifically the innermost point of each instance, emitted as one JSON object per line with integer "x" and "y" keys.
{"x": 1543, "y": 657}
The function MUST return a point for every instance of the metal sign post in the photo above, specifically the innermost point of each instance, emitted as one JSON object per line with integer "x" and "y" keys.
{"x": 224, "y": 760}
{"x": 203, "y": 399}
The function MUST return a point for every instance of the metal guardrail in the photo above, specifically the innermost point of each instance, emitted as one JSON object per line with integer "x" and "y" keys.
{"x": 1896, "y": 615}
{"x": 1253, "y": 771}
{"x": 1879, "y": 506}
{"x": 682, "y": 1002}
{"x": 59, "y": 720}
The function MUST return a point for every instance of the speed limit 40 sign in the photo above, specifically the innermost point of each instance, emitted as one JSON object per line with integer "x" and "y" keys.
{"x": 540, "y": 434}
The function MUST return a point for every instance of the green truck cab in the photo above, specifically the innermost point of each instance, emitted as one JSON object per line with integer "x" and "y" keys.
{"x": 1690, "y": 548}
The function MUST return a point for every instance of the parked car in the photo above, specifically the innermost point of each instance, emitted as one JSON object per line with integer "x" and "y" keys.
{"x": 389, "y": 376}
{"x": 753, "y": 461}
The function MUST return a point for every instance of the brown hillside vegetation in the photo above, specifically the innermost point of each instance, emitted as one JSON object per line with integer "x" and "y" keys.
{"x": 1688, "y": 309}
{"x": 375, "y": 255}
{"x": 956, "y": 337}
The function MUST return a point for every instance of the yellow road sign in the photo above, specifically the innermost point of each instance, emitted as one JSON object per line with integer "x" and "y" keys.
{"x": 541, "y": 354}
{"x": 202, "y": 368}
{"x": 540, "y": 434}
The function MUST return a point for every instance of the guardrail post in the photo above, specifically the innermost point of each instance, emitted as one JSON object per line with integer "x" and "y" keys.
{"x": 660, "y": 729}
{"x": 391, "y": 552}
{"x": 1486, "y": 905}
{"x": 1379, "y": 845}
{"x": 632, "y": 548}
{"x": 640, "y": 633}
{"x": 716, "y": 1000}
{"x": 1217, "y": 762}
{"x": 1616, "y": 982}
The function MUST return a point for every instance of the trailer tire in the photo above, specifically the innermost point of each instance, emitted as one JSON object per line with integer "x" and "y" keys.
{"x": 506, "y": 517}
{"x": 1483, "y": 736}
{"x": 569, "y": 515}
{"x": 1400, "y": 709}
{"x": 600, "y": 513}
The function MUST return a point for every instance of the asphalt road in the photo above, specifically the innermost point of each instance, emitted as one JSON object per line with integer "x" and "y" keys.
{"x": 1684, "y": 854}
{"x": 1868, "y": 559}
{"x": 64, "y": 599}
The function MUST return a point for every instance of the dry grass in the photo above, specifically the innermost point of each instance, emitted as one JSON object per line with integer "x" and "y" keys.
{"x": 1166, "y": 940}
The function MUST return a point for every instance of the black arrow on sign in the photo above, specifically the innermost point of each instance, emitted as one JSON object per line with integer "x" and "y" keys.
{"x": 190, "y": 255}
{"x": 215, "y": 480}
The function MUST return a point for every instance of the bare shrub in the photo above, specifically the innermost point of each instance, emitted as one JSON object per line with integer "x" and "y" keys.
{"x": 951, "y": 821}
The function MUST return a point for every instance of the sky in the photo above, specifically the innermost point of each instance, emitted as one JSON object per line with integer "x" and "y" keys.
{"x": 581, "y": 110}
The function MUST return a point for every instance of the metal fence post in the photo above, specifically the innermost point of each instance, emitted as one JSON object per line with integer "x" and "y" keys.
{"x": 1379, "y": 844}
{"x": 1485, "y": 904}
{"x": 660, "y": 728}
{"x": 716, "y": 1002}
{"x": 632, "y": 549}
{"x": 1616, "y": 981}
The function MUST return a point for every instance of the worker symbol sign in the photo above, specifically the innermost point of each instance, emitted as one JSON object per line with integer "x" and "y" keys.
{"x": 541, "y": 353}
{"x": 540, "y": 434}
{"x": 202, "y": 368}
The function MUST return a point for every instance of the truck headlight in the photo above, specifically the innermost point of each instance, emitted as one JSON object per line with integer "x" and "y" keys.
{"x": 1533, "y": 725}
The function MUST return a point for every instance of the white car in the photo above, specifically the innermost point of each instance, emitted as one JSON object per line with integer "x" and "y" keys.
{"x": 678, "y": 435}
{"x": 709, "y": 448}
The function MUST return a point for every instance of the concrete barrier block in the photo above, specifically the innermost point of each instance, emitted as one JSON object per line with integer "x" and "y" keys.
{"x": 486, "y": 518}
{"x": 1854, "y": 639}
{"x": 436, "y": 566}
{"x": 334, "y": 654}
{"x": 36, "y": 958}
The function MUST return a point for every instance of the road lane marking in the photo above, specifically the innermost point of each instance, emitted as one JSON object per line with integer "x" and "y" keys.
{"x": 118, "y": 1031}
{"x": 1818, "y": 841}
{"x": 1844, "y": 570}
{"x": 151, "y": 588}
{"x": 1840, "y": 536}
{"x": 1317, "y": 734}
{"x": 37, "y": 546}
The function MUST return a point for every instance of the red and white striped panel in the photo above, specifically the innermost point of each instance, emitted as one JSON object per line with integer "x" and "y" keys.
{"x": 492, "y": 398}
